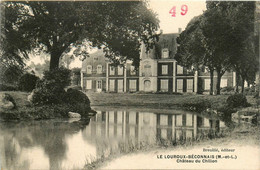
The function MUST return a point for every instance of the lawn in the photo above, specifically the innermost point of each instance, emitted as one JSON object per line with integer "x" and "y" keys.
{"x": 157, "y": 100}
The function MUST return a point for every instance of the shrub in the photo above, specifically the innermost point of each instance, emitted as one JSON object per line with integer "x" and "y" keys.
{"x": 5, "y": 87}
{"x": 47, "y": 96}
{"x": 27, "y": 82}
{"x": 74, "y": 96}
{"x": 59, "y": 77}
{"x": 50, "y": 90}
{"x": 227, "y": 89}
{"x": 237, "y": 100}
{"x": 225, "y": 113}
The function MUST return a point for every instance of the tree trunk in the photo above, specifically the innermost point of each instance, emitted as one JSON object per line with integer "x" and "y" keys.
{"x": 211, "y": 81}
{"x": 55, "y": 59}
{"x": 237, "y": 81}
{"x": 243, "y": 85}
{"x": 218, "y": 82}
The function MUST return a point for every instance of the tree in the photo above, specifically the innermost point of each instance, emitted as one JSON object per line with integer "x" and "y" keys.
{"x": 193, "y": 49}
{"x": 57, "y": 27}
{"x": 230, "y": 28}
{"x": 216, "y": 29}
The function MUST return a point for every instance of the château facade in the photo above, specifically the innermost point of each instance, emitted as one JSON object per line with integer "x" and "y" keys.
{"x": 158, "y": 72}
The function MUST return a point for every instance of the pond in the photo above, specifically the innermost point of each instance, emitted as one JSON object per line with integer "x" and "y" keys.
{"x": 73, "y": 143}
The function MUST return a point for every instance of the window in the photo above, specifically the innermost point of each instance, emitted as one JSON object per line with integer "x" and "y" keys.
{"x": 165, "y": 53}
{"x": 223, "y": 83}
{"x": 132, "y": 85}
{"x": 99, "y": 84}
{"x": 120, "y": 70}
{"x": 120, "y": 85}
{"x": 164, "y": 85}
{"x": 179, "y": 85}
{"x": 206, "y": 84}
{"x": 89, "y": 69}
{"x": 99, "y": 69}
{"x": 164, "y": 69}
{"x": 188, "y": 119}
{"x": 89, "y": 84}
{"x": 189, "y": 85}
{"x": 179, "y": 120}
{"x": 132, "y": 70}
{"x": 179, "y": 69}
{"x": 111, "y": 85}
{"x": 112, "y": 70}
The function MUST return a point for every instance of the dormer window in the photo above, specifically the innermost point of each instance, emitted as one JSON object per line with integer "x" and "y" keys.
{"x": 99, "y": 69}
{"x": 112, "y": 70}
{"x": 132, "y": 70}
{"x": 165, "y": 53}
{"x": 89, "y": 69}
{"x": 120, "y": 70}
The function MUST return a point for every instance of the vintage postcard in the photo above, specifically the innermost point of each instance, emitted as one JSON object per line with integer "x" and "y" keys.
{"x": 149, "y": 84}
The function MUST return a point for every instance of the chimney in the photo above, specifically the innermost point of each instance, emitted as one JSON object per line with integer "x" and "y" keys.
{"x": 179, "y": 30}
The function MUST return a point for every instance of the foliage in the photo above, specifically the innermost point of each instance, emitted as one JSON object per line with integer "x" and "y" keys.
{"x": 228, "y": 89}
{"x": 10, "y": 74}
{"x": 74, "y": 96}
{"x": 27, "y": 82}
{"x": 237, "y": 100}
{"x": 58, "y": 27}
{"x": 222, "y": 39}
{"x": 24, "y": 110}
{"x": 50, "y": 90}
{"x": 59, "y": 77}
{"x": 194, "y": 50}
{"x": 237, "y": 32}
{"x": 7, "y": 87}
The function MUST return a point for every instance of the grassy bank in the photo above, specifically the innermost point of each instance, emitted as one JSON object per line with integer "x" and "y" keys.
{"x": 158, "y": 100}
{"x": 26, "y": 111}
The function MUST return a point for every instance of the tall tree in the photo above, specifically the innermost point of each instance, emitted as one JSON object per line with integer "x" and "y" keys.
{"x": 216, "y": 28}
{"x": 193, "y": 49}
{"x": 230, "y": 28}
{"x": 117, "y": 27}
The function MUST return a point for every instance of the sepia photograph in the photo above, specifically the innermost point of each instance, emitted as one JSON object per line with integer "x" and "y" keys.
{"x": 141, "y": 84}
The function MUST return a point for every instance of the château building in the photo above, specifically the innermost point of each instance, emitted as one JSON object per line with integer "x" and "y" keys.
{"x": 158, "y": 72}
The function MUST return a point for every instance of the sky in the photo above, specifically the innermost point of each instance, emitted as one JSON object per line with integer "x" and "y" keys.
{"x": 168, "y": 23}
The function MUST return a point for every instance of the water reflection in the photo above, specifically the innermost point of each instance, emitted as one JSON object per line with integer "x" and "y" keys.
{"x": 61, "y": 144}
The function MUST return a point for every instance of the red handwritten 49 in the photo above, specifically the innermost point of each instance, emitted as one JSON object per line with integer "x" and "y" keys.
{"x": 184, "y": 10}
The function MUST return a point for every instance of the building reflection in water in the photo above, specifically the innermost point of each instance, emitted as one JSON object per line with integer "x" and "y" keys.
{"x": 61, "y": 144}
{"x": 137, "y": 129}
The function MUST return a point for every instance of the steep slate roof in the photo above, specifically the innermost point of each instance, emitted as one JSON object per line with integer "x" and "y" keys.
{"x": 167, "y": 41}
{"x": 98, "y": 54}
